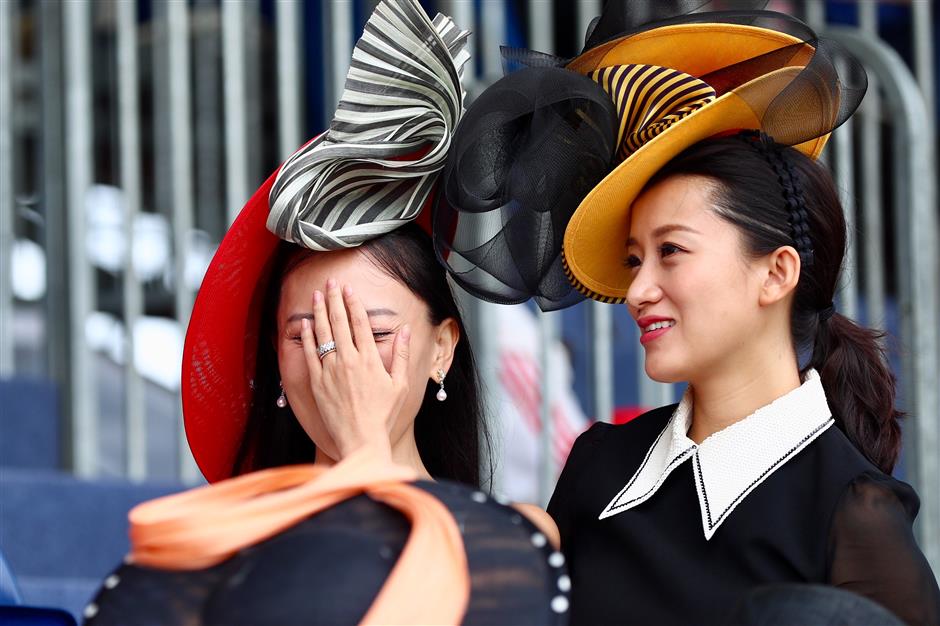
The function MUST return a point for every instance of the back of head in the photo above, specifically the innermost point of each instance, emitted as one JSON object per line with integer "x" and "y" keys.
{"x": 777, "y": 197}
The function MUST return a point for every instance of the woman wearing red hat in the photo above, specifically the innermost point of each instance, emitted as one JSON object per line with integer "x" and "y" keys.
{"x": 644, "y": 172}
{"x": 326, "y": 351}
{"x": 325, "y": 322}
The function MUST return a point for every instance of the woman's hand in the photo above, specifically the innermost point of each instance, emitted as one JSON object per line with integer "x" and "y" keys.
{"x": 357, "y": 398}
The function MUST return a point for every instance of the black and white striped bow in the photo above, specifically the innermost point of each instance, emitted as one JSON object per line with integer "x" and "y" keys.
{"x": 373, "y": 169}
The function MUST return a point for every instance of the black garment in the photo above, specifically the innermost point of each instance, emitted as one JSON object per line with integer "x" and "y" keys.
{"x": 328, "y": 568}
{"x": 827, "y": 515}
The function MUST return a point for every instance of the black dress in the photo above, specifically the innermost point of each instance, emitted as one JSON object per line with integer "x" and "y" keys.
{"x": 683, "y": 549}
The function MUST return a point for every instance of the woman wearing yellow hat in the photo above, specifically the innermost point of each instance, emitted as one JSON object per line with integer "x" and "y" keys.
{"x": 670, "y": 167}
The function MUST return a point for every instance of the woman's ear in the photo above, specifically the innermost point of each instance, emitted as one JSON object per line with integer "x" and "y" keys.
{"x": 446, "y": 336}
{"x": 781, "y": 274}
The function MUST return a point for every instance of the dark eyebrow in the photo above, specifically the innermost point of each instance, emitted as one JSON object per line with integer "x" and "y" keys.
{"x": 371, "y": 313}
{"x": 665, "y": 230}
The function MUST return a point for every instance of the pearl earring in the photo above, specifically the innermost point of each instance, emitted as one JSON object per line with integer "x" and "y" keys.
{"x": 281, "y": 399}
{"x": 441, "y": 394}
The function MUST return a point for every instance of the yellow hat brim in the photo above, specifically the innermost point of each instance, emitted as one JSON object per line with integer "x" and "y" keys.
{"x": 722, "y": 45}
{"x": 595, "y": 238}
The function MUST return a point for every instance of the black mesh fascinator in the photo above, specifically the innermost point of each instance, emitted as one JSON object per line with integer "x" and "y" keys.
{"x": 535, "y": 143}
{"x": 534, "y": 156}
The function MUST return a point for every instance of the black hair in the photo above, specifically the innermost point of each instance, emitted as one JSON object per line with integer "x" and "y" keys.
{"x": 775, "y": 196}
{"x": 452, "y": 437}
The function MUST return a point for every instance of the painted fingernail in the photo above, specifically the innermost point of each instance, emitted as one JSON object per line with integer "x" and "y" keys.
{"x": 347, "y": 290}
{"x": 304, "y": 322}
{"x": 330, "y": 283}
{"x": 317, "y": 296}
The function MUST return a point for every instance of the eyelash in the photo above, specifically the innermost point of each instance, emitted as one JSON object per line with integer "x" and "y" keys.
{"x": 376, "y": 334}
{"x": 665, "y": 250}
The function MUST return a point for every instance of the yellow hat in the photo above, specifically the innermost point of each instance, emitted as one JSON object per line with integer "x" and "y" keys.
{"x": 671, "y": 86}
{"x": 594, "y": 239}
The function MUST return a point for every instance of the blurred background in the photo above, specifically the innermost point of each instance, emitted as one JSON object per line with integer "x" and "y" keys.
{"x": 133, "y": 131}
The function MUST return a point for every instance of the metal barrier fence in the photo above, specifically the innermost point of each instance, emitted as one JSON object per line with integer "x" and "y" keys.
{"x": 186, "y": 137}
{"x": 916, "y": 229}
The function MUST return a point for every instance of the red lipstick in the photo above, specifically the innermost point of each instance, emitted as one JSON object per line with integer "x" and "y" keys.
{"x": 649, "y": 320}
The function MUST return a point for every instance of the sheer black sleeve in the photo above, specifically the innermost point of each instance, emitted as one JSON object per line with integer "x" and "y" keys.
{"x": 872, "y": 550}
{"x": 560, "y": 507}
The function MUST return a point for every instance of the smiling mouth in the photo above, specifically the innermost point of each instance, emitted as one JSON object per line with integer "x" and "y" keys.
{"x": 658, "y": 325}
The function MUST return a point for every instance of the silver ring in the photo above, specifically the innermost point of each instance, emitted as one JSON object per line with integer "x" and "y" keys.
{"x": 325, "y": 348}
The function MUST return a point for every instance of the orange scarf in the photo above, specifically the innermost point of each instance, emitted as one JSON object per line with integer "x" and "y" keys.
{"x": 430, "y": 583}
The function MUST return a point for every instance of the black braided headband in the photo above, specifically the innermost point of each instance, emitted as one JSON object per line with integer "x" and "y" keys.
{"x": 792, "y": 193}
{"x": 793, "y": 200}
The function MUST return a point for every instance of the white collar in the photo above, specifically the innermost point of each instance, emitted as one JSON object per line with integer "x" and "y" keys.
{"x": 732, "y": 462}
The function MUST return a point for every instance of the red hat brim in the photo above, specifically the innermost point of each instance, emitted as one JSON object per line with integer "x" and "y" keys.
{"x": 222, "y": 339}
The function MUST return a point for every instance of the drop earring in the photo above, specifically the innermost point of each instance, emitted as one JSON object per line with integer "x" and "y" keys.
{"x": 281, "y": 399}
{"x": 441, "y": 394}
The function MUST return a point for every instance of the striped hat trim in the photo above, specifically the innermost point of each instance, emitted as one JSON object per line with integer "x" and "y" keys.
{"x": 649, "y": 99}
{"x": 585, "y": 291}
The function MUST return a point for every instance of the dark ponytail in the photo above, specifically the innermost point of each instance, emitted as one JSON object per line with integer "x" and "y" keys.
{"x": 858, "y": 382}
{"x": 776, "y": 196}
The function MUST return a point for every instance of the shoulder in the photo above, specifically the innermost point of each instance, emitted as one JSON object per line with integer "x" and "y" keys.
{"x": 869, "y": 504}
{"x": 639, "y": 433}
{"x": 872, "y": 549}
{"x": 837, "y": 445}
{"x": 873, "y": 502}
{"x": 611, "y": 448}
{"x": 603, "y": 450}
{"x": 835, "y": 460}
{"x": 542, "y": 520}
{"x": 857, "y": 487}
